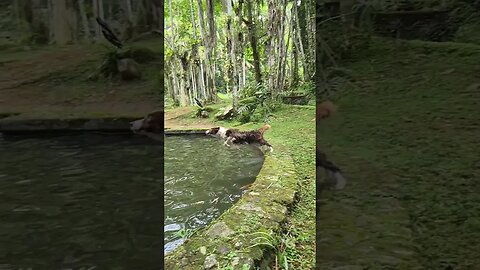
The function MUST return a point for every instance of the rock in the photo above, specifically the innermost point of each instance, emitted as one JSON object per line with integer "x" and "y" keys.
{"x": 184, "y": 261}
{"x": 223, "y": 250}
{"x": 204, "y": 114}
{"x": 227, "y": 113}
{"x": 203, "y": 250}
{"x": 210, "y": 261}
{"x": 238, "y": 245}
{"x": 235, "y": 261}
{"x": 219, "y": 229}
{"x": 251, "y": 207}
{"x": 128, "y": 69}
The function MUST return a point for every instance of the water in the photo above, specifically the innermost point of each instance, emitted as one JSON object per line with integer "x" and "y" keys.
{"x": 80, "y": 201}
{"x": 94, "y": 200}
{"x": 203, "y": 178}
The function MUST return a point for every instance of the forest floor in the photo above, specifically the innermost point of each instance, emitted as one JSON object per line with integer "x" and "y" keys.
{"x": 406, "y": 137}
{"x": 53, "y": 82}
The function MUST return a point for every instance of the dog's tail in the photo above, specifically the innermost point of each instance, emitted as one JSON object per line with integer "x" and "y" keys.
{"x": 325, "y": 109}
{"x": 264, "y": 128}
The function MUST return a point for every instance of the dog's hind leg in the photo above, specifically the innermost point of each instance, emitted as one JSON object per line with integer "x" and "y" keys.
{"x": 264, "y": 142}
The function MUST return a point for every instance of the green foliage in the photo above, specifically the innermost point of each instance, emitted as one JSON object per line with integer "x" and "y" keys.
{"x": 252, "y": 89}
{"x": 223, "y": 96}
{"x": 257, "y": 104}
{"x": 304, "y": 88}
{"x": 184, "y": 233}
{"x": 109, "y": 64}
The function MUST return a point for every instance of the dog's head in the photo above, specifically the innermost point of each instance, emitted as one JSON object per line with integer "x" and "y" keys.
{"x": 218, "y": 132}
{"x": 152, "y": 123}
{"x": 213, "y": 131}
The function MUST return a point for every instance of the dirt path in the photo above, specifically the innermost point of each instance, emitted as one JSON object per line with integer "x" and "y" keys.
{"x": 180, "y": 118}
{"x": 33, "y": 67}
{"x": 49, "y": 83}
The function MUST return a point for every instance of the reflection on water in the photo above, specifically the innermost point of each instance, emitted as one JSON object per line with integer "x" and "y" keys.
{"x": 90, "y": 201}
{"x": 203, "y": 178}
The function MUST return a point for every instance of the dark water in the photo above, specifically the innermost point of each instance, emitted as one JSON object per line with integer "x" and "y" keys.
{"x": 91, "y": 201}
{"x": 203, "y": 178}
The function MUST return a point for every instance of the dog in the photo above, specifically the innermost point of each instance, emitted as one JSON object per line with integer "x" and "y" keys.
{"x": 325, "y": 110}
{"x": 151, "y": 125}
{"x": 241, "y": 137}
{"x": 220, "y": 132}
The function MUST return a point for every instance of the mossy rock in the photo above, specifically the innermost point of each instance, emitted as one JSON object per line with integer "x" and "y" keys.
{"x": 139, "y": 54}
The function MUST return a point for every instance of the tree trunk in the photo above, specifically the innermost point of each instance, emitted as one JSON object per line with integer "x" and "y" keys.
{"x": 83, "y": 17}
{"x": 72, "y": 19}
{"x": 101, "y": 13}
{"x": 212, "y": 94}
{"x": 61, "y": 31}
{"x": 252, "y": 33}
{"x": 294, "y": 72}
{"x": 232, "y": 37}
{"x": 211, "y": 23}
{"x": 239, "y": 50}
{"x": 51, "y": 23}
{"x": 96, "y": 13}
{"x": 128, "y": 5}
{"x": 272, "y": 50}
{"x": 299, "y": 45}
{"x": 210, "y": 76}
{"x": 301, "y": 13}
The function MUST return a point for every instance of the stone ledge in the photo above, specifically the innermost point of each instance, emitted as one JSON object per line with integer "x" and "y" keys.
{"x": 199, "y": 131}
{"x": 235, "y": 238}
{"x": 74, "y": 124}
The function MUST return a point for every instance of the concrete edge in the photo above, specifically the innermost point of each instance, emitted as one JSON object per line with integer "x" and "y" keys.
{"x": 73, "y": 124}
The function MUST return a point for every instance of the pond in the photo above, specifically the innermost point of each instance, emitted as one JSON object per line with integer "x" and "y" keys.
{"x": 80, "y": 200}
{"x": 203, "y": 178}
{"x": 94, "y": 200}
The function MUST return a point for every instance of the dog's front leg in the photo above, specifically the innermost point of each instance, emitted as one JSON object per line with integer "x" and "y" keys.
{"x": 227, "y": 141}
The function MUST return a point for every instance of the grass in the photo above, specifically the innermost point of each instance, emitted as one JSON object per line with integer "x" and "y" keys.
{"x": 407, "y": 137}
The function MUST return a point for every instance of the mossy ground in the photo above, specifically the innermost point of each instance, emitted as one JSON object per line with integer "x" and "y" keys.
{"x": 407, "y": 138}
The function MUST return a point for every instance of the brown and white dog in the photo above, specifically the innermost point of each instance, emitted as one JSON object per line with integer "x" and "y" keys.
{"x": 151, "y": 125}
{"x": 324, "y": 110}
{"x": 241, "y": 137}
